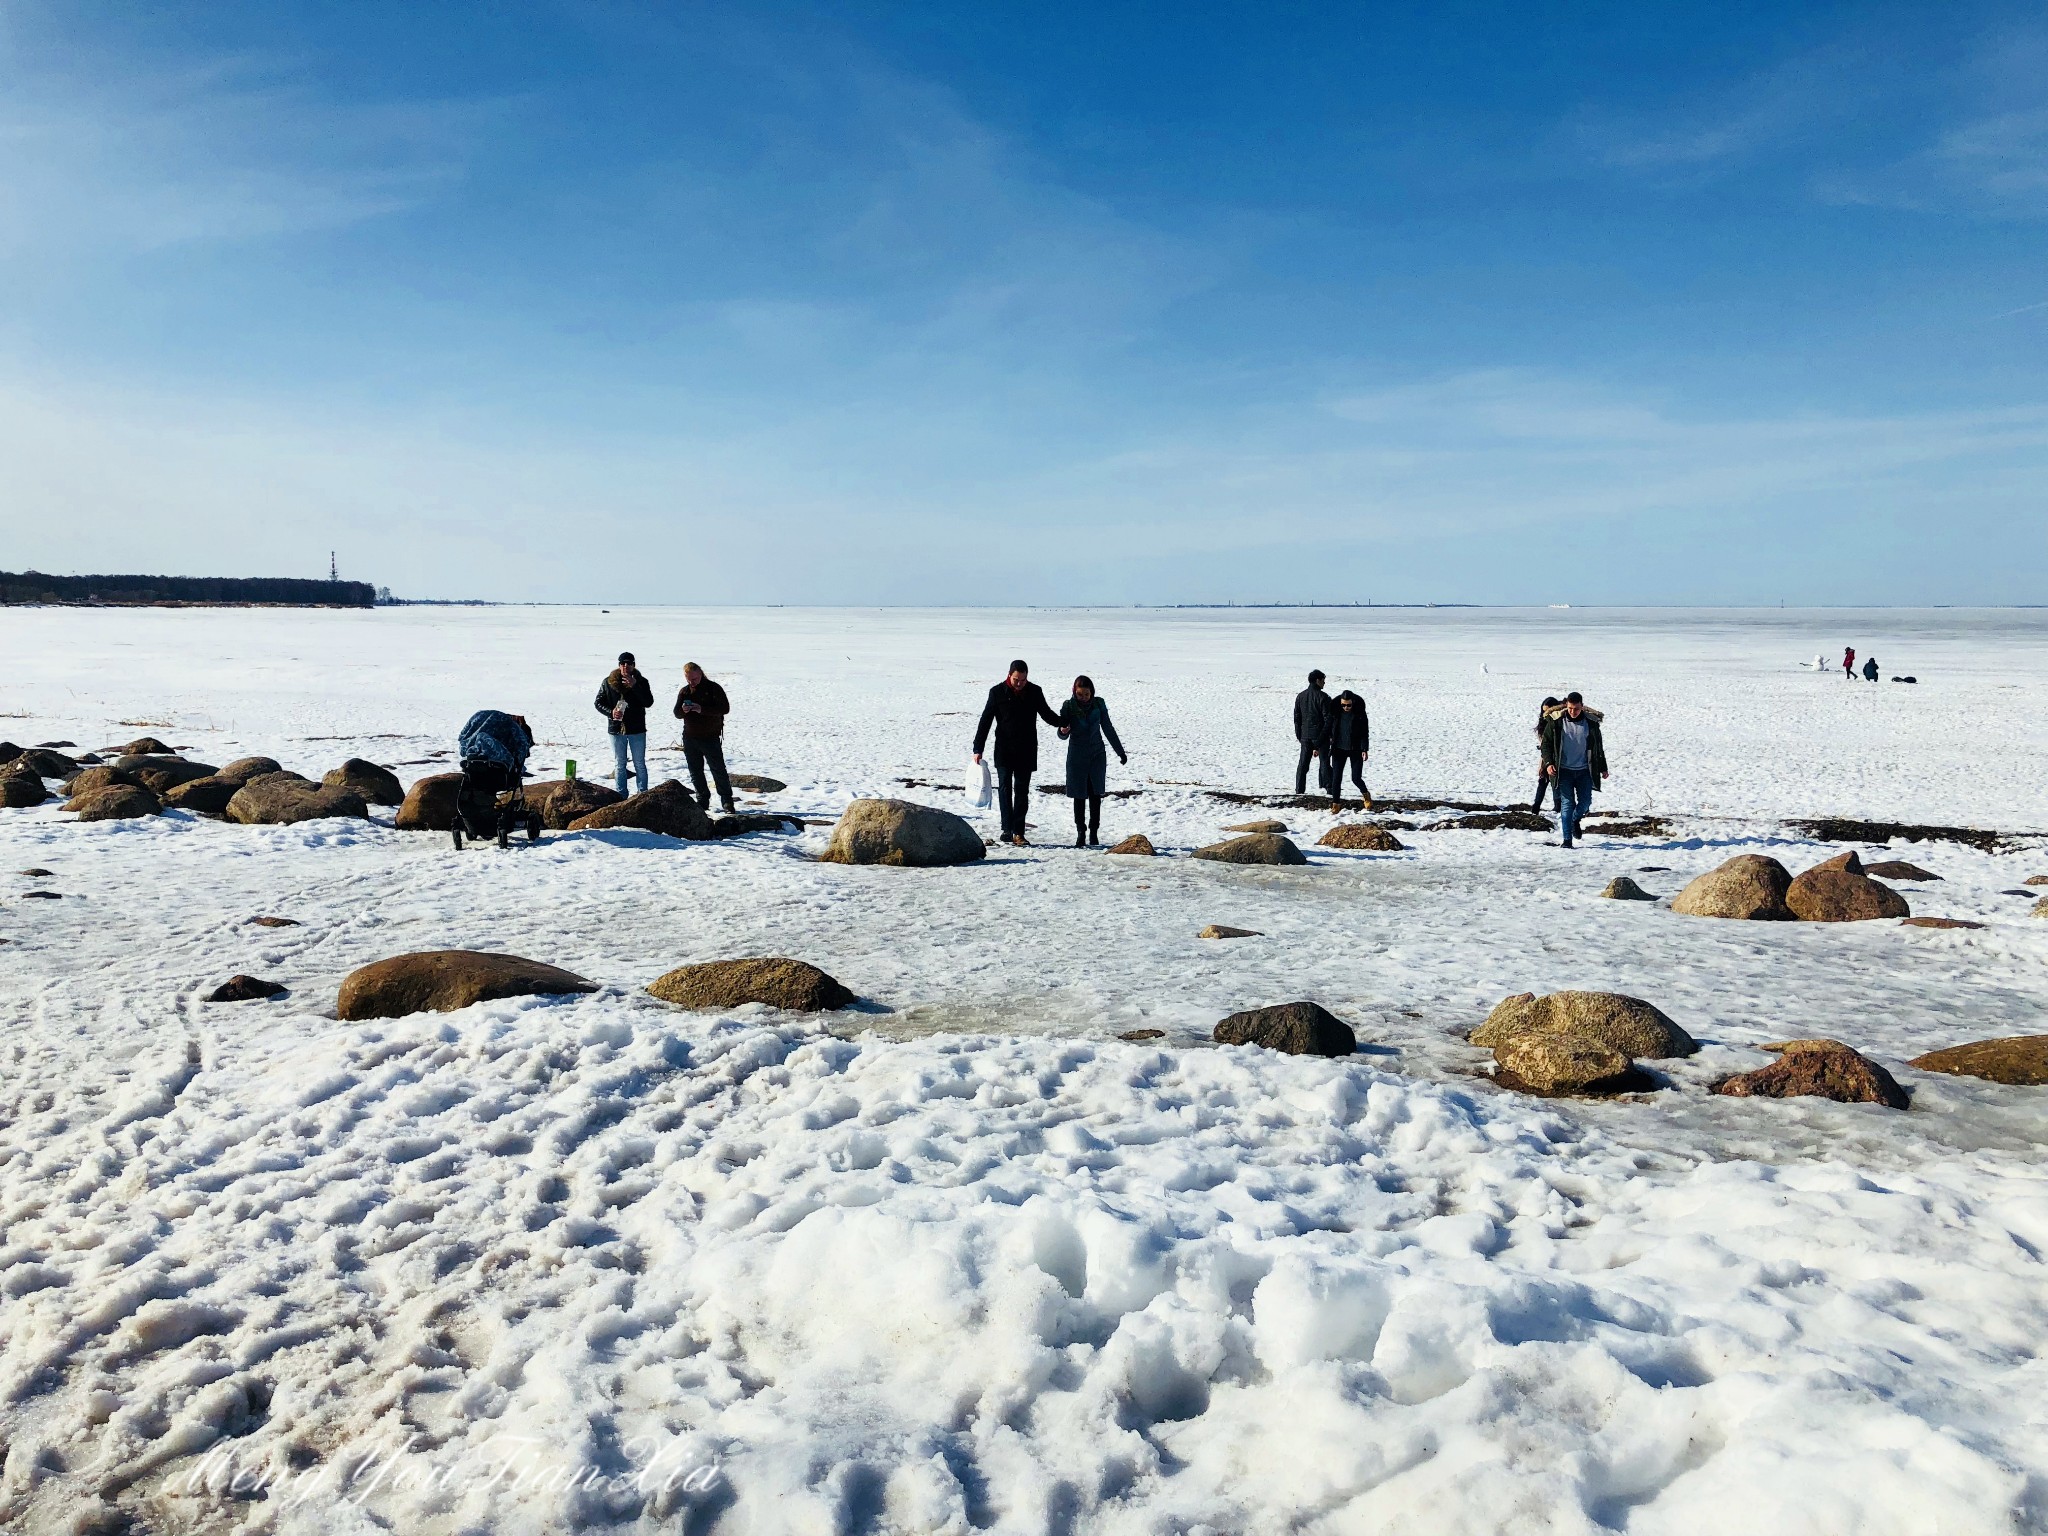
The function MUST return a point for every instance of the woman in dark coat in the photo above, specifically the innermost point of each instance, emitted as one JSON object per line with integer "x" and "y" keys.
{"x": 1350, "y": 745}
{"x": 1084, "y": 722}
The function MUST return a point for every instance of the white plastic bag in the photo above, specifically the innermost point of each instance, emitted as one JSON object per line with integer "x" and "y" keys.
{"x": 981, "y": 793}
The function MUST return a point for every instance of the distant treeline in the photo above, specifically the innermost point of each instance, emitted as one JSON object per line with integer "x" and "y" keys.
{"x": 35, "y": 587}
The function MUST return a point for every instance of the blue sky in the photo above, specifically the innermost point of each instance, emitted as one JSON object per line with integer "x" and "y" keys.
{"x": 1031, "y": 303}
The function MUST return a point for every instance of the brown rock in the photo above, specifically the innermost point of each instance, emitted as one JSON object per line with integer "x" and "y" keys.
{"x": 1627, "y": 1024}
{"x": 1142, "y": 1034}
{"x": 116, "y": 802}
{"x": 1898, "y": 869}
{"x": 146, "y": 746}
{"x": 1221, "y": 931}
{"x": 275, "y": 922}
{"x": 19, "y": 790}
{"x": 209, "y": 796}
{"x": 1361, "y": 837}
{"x": 1747, "y": 886}
{"x": 46, "y": 764}
{"x": 740, "y": 823}
{"x": 430, "y": 803}
{"x": 561, "y": 801}
{"x": 1541, "y": 1062}
{"x": 2035, "y": 880}
{"x": 1494, "y": 821}
{"x": 1621, "y": 888}
{"x": 243, "y": 769}
{"x": 756, "y": 783}
{"x": 103, "y": 776}
{"x": 244, "y": 989}
{"x": 377, "y": 786}
{"x": 1257, "y": 848}
{"x": 9, "y": 751}
{"x": 667, "y": 808}
{"x": 1137, "y": 843}
{"x": 442, "y": 980}
{"x": 901, "y": 833}
{"x": 162, "y": 774}
{"x": 284, "y": 799}
{"x": 1838, "y": 891}
{"x": 1258, "y": 826}
{"x": 792, "y": 985}
{"x": 2021, "y": 1060}
{"x": 1939, "y": 922}
{"x": 2039, "y": 908}
{"x": 1824, "y": 1069}
{"x": 1298, "y": 1029}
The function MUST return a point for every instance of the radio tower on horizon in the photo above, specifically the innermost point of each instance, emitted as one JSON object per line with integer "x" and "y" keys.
{"x": 333, "y": 572}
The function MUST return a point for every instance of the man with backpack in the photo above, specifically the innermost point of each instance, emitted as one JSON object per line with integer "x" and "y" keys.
{"x": 624, "y": 698}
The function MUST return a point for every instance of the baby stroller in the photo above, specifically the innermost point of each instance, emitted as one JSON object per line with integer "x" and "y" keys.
{"x": 491, "y": 802}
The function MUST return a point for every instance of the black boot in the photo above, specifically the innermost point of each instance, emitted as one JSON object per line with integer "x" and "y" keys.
{"x": 1094, "y": 821}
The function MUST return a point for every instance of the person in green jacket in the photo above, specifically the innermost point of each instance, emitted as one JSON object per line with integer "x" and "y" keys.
{"x": 1084, "y": 722}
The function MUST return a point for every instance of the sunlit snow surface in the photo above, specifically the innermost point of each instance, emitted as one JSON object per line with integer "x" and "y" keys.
{"x": 963, "y": 1260}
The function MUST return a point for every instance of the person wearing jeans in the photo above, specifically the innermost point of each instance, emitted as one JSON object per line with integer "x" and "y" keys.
{"x": 1014, "y": 708}
{"x": 702, "y": 707}
{"x": 624, "y": 698}
{"x": 1575, "y": 760}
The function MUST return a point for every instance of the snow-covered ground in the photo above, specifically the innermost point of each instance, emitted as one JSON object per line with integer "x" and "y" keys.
{"x": 962, "y": 1259}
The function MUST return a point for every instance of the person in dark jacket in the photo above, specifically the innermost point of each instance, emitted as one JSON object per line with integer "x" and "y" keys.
{"x": 1312, "y": 730}
{"x": 1014, "y": 708}
{"x": 702, "y": 707}
{"x": 1870, "y": 670}
{"x": 624, "y": 698}
{"x": 1350, "y": 745}
{"x": 1084, "y": 721}
{"x": 1544, "y": 782}
{"x": 1575, "y": 759}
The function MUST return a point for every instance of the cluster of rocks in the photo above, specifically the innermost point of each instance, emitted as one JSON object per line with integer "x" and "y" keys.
{"x": 1758, "y": 888}
{"x": 146, "y": 777}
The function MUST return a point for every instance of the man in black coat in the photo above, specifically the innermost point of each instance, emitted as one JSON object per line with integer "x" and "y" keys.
{"x": 1014, "y": 708}
{"x": 1312, "y": 730}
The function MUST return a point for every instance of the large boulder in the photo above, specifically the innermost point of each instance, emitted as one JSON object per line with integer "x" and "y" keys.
{"x": 901, "y": 832}
{"x": 46, "y": 764}
{"x": 788, "y": 984}
{"x": 1749, "y": 885}
{"x": 1839, "y": 892}
{"x": 1628, "y": 1024}
{"x": 430, "y": 803}
{"x": 667, "y": 808}
{"x": 145, "y": 746}
{"x": 377, "y": 786}
{"x": 1821, "y": 1069}
{"x": 9, "y": 751}
{"x": 561, "y": 801}
{"x": 1256, "y": 848}
{"x": 442, "y": 980}
{"x": 282, "y": 799}
{"x": 209, "y": 795}
{"x": 1542, "y": 1062}
{"x": 1361, "y": 837}
{"x": 2021, "y": 1060}
{"x": 99, "y": 776}
{"x": 1137, "y": 843}
{"x": 20, "y": 790}
{"x": 1299, "y": 1029}
{"x": 115, "y": 802}
{"x": 243, "y": 769}
{"x": 162, "y": 773}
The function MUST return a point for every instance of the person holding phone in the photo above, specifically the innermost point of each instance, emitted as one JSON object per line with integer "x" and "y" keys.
{"x": 702, "y": 707}
{"x": 624, "y": 698}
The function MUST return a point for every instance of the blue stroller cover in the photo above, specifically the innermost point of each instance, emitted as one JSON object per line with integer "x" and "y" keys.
{"x": 495, "y": 737}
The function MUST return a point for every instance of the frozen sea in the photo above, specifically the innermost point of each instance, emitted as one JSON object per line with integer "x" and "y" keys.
{"x": 961, "y": 1259}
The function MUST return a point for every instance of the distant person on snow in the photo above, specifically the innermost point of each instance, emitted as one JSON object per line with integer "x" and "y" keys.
{"x": 702, "y": 707}
{"x": 1084, "y": 721}
{"x": 1575, "y": 759}
{"x": 1350, "y": 746}
{"x": 1543, "y": 778}
{"x": 1014, "y": 708}
{"x": 1870, "y": 670}
{"x": 1849, "y": 663}
{"x": 1312, "y": 712}
{"x": 624, "y": 698}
